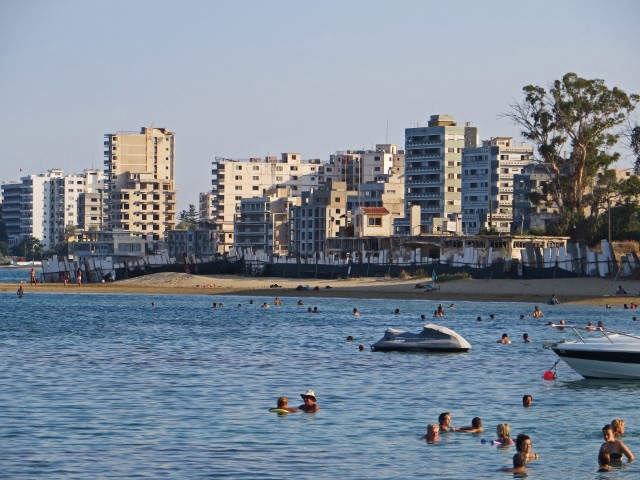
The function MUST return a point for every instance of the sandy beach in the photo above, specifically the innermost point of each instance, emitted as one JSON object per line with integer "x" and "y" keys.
{"x": 585, "y": 290}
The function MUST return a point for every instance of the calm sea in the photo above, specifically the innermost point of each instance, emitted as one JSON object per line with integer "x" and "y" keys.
{"x": 108, "y": 386}
{"x": 17, "y": 274}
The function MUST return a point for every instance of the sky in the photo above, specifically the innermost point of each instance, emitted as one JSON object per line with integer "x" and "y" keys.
{"x": 244, "y": 78}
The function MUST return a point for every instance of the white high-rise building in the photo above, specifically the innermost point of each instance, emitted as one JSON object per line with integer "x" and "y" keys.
{"x": 487, "y": 184}
{"x": 235, "y": 179}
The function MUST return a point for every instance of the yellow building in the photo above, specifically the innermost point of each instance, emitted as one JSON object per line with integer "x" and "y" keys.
{"x": 140, "y": 171}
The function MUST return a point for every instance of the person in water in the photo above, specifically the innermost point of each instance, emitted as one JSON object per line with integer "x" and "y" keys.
{"x": 444, "y": 421}
{"x": 356, "y": 313}
{"x": 617, "y": 424}
{"x": 309, "y": 399}
{"x": 504, "y": 434}
{"x": 433, "y": 433}
{"x": 20, "y": 291}
{"x": 615, "y": 448}
{"x": 527, "y": 400}
{"x": 504, "y": 339}
{"x": 537, "y": 313}
{"x": 519, "y": 462}
{"x": 283, "y": 404}
{"x": 475, "y": 427}
{"x": 523, "y": 445}
{"x": 603, "y": 461}
{"x": 525, "y": 338}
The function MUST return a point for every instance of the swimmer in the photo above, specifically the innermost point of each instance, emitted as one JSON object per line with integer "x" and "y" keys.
{"x": 519, "y": 462}
{"x": 423, "y": 317}
{"x": 350, "y": 338}
{"x": 452, "y": 306}
{"x": 521, "y": 317}
{"x": 617, "y": 425}
{"x": 356, "y": 313}
{"x": 527, "y": 400}
{"x": 475, "y": 427}
{"x": 315, "y": 310}
{"x": 504, "y": 339}
{"x": 504, "y": 434}
{"x": 309, "y": 399}
{"x": 562, "y": 325}
{"x": 277, "y": 301}
{"x": 309, "y": 310}
{"x": 607, "y": 306}
{"x": 250, "y": 302}
{"x": 525, "y": 338}
{"x": 615, "y": 448}
{"x": 492, "y": 316}
{"x": 537, "y": 313}
{"x": 600, "y": 325}
{"x": 265, "y": 305}
{"x": 479, "y": 318}
{"x": 603, "y": 461}
{"x": 300, "y": 302}
{"x": 433, "y": 433}
{"x": 239, "y": 305}
{"x": 590, "y": 327}
{"x": 397, "y": 311}
{"x": 523, "y": 445}
{"x": 153, "y": 304}
{"x": 283, "y": 404}
{"x": 444, "y": 421}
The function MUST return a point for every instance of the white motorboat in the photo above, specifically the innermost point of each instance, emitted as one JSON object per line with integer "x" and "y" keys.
{"x": 609, "y": 355}
{"x": 432, "y": 338}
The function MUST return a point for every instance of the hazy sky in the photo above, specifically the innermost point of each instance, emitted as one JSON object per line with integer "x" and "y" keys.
{"x": 251, "y": 78}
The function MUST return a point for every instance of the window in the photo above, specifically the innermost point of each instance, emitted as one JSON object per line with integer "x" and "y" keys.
{"x": 375, "y": 221}
{"x": 256, "y": 187}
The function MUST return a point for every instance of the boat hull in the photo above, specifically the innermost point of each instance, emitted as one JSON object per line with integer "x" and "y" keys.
{"x": 601, "y": 361}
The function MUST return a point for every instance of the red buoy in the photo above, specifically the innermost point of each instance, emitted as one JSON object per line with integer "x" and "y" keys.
{"x": 361, "y": 347}
{"x": 549, "y": 375}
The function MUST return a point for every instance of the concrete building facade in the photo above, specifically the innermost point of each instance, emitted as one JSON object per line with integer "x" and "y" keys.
{"x": 433, "y": 172}
{"x": 487, "y": 184}
{"x": 236, "y": 179}
{"x": 140, "y": 170}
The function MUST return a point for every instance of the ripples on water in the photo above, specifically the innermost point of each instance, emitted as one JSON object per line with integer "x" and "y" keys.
{"x": 105, "y": 386}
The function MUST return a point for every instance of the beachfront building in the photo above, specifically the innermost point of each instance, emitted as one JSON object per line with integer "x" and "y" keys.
{"x": 92, "y": 201}
{"x": 189, "y": 246}
{"x": 487, "y": 184}
{"x": 205, "y": 206}
{"x": 264, "y": 224}
{"x": 140, "y": 170}
{"x": 11, "y": 201}
{"x": 433, "y": 174}
{"x": 356, "y": 167}
{"x": 322, "y": 214}
{"x": 528, "y": 214}
{"x": 236, "y": 179}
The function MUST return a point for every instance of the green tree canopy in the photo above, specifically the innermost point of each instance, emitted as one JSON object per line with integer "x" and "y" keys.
{"x": 188, "y": 219}
{"x": 572, "y": 128}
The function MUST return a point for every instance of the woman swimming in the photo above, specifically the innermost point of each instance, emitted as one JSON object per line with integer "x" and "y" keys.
{"x": 615, "y": 448}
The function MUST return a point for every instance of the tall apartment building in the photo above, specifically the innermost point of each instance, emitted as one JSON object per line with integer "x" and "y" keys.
{"x": 206, "y": 208}
{"x": 433, "y": 172}
{"x": 235, "y": 179}
{"x": 11, "y": 208}
{"x": 487, "y": 184}
{"x": 92, "y": 202}
{"x": 140, "y": 170}
{"x": 322, "y": 214}
{"x": 356, "y": 167}
{"x": 526, "y": 214}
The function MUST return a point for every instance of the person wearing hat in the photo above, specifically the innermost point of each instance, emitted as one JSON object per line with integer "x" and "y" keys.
{"x": 309, "y": 405}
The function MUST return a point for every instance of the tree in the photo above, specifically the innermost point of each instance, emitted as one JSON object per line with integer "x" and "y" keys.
{"x": 30, "y": 247}
{"x": 189, "y": 219}
{"x": 571, "y": 127}
{"x": 633, "y": 135}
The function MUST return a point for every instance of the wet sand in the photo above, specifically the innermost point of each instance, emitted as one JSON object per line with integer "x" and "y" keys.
{"x": 587, "y": 290}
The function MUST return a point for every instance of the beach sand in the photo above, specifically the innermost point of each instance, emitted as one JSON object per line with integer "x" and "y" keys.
{"x": 586, "y": 290}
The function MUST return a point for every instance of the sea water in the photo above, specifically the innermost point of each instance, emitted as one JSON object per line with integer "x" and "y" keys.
{"x": 110, "y": 386}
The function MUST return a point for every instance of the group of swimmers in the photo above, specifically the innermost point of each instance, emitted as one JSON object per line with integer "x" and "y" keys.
{"x": 524, "y": 453}
{"x": 611, "y": 450}
{"x": 309, "y": 405}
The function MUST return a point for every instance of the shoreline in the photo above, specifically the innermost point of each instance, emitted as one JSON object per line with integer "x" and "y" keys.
{"x": 585, "y": 290}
